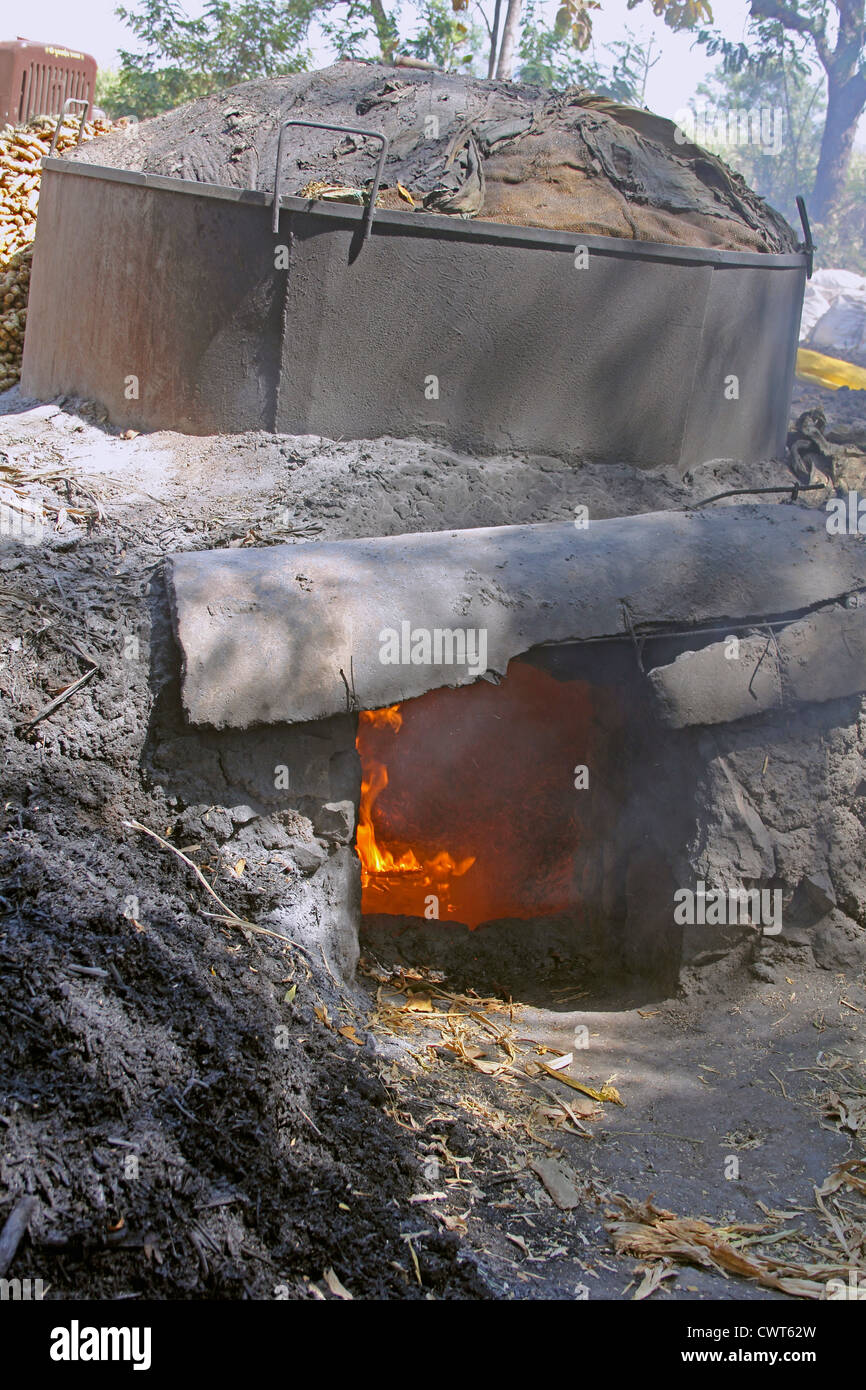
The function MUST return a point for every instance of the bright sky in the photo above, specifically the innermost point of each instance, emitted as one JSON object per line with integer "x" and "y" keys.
{"x": 93, "y": 26}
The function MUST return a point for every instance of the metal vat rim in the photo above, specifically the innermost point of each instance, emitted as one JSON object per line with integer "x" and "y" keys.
{"x": 432, "y": 224}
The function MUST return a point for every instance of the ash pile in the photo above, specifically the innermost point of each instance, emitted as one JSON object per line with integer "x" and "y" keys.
{"x": 498, "y": 151}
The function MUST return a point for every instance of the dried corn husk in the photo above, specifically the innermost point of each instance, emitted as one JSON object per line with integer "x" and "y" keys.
{"x": 21, "y": 149}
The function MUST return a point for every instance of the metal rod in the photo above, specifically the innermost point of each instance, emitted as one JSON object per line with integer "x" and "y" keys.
{"x": 795, "y": 489}
{"x": 70, "y": 101}
{"x": 344, "y": 130}
{"x": 663, "y": 635}
{"x": 808, "y": 243}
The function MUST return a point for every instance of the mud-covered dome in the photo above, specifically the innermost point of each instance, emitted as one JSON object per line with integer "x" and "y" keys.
{"x": 462, "y": 147}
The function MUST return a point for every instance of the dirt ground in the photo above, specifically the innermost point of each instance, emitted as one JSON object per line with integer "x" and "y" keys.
{"x": 176, "y": 1093}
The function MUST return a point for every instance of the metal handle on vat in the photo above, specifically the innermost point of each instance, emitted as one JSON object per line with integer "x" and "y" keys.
{"x": 344, "y": 130}
{"x": 70, "y": 101}
{"x": 808, "y": 245}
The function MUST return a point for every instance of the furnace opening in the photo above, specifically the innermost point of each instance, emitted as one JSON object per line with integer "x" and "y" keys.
{"x": 509, "y": 833}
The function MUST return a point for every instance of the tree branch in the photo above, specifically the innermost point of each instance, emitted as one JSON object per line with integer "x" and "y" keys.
{"x": 850, "y": 17}
{"x": 790, "y": 18}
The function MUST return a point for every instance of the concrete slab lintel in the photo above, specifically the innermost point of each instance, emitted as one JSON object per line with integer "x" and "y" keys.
{"x": 819, "y": 657}
{"x": 278, "y": 634}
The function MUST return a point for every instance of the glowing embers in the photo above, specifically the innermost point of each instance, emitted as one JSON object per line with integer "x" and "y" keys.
{"x": 469, "y": 810}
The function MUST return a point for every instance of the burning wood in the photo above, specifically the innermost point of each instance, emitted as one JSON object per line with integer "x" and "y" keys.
{"x": 462, "y": 836}
{"x": 432, "y": 875}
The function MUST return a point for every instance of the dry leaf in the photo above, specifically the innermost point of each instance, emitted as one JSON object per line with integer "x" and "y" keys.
{"x": 419, "y": 1004}
{"x": 334, "y": 1285}
{"x": 560, "y": 1063}
{"x": 488, "y": 1067}
{"x": 451, "y": 1223}
{"x": 653, "y": 1234}
{"x": 607, "y": 1093}
{"x": 557, "y": 1180}
{"x": 652, "y": 1280}
{"x": 852, "y": 1173}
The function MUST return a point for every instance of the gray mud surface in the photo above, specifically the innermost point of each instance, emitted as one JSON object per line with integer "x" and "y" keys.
{"x": 462, "y": 147}
{"x": 175, "y": 1091}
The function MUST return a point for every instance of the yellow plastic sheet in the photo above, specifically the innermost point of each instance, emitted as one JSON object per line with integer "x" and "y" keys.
{"x": 829, "y": 371}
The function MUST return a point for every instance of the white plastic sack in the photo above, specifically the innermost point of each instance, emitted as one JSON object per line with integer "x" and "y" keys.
{"x": 815, "y": 306}
{"x": 843, "y": 327}
{"x": 834, "y": 282}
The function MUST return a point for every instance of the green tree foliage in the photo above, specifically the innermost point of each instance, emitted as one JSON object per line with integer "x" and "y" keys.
{"x": 574, "y": 17}
{"x": 832, "y": 34}
{"x": 842, "y": 238}
{"x": 617, "y": 70}
{"x": 108, "y": 94}
{"x": 554, "y": 50}
{"x": 444, "y": 38}
{"x": 360, "y": 28}
{"x": 179, "y": 58}
{"x": 781, "y": 108}
{"x": 780, "y": 169}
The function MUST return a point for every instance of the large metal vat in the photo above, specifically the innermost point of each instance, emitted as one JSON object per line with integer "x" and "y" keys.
{"x": 173, "y": 304}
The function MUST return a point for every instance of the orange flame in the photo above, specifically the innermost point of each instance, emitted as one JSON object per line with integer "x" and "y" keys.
{"x": 432, "y": 869}
{"x": 387, "y": 718}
